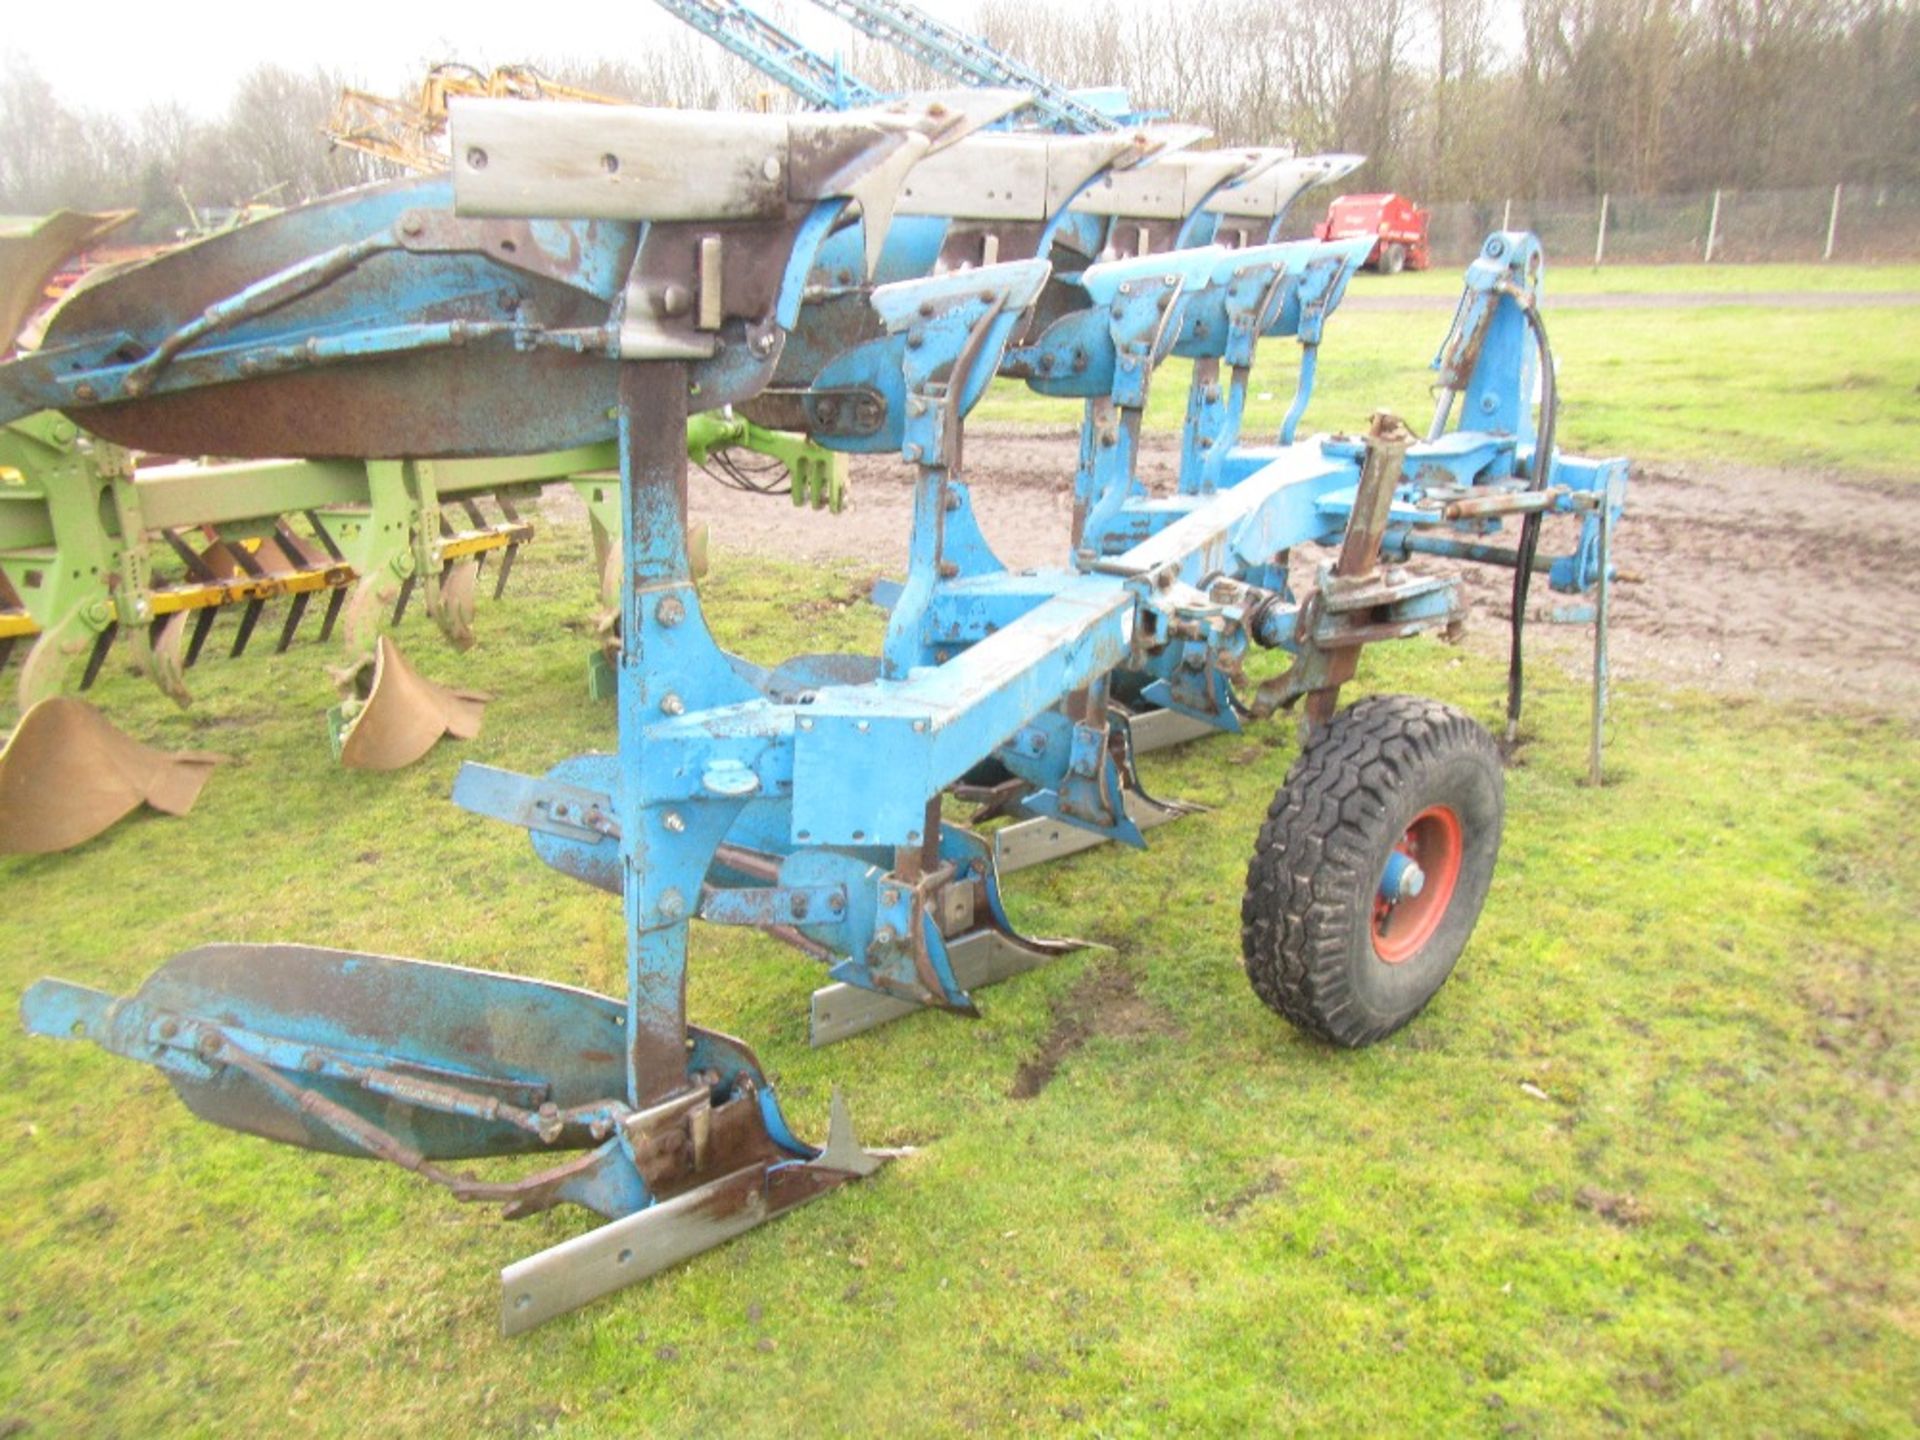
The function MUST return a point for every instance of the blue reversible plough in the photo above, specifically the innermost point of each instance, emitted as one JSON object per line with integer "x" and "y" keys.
{"x": 593, "y": 274}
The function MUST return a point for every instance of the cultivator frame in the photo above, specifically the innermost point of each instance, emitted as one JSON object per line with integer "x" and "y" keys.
{"x": 705, "y": 260}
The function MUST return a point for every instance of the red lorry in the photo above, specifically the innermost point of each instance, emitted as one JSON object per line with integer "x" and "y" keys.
{"x": 1399, "y": 224}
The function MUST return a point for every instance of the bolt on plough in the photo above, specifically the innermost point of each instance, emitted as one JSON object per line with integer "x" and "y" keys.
{"x": 861, "y": 277}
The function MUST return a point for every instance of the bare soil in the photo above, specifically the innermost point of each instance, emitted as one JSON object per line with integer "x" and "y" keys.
{"x": 1105, "y": 1000}
{"x": 1794, "y": 584}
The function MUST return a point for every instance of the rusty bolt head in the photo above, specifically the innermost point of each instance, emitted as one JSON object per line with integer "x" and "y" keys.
{"x": 673, "y": 705}
{"x": 85, "y": 391}
{"x": 674, "y": 821}
{"x": 670, "y": 611}
{"x": 413, "y": 224}
{"x": 800, "y": 907}
{"x": 672, "y": 905}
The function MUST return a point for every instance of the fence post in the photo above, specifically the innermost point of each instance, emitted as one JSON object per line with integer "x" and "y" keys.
{"x": 1600, "y": 238}
{"x": 1713, "y": 227}
{"x": 1506, "y": 216}
{"x": 1833, "y": 223}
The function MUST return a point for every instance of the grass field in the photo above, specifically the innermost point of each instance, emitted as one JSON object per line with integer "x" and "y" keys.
{"x": 1566, "y": 275}
{"x": 1751, "y": 384}
{"x": 1647, "y": 1164}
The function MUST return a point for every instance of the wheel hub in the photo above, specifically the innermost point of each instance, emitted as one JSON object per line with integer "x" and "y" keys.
{"x": 1417, "y": 884}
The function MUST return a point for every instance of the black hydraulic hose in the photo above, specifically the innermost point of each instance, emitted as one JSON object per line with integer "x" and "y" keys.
{"x": 1541, "y": 467}
{"x": 767, "y": 476}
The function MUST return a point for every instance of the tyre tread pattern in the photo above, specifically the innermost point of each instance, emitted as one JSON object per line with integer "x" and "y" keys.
{"x": 1297, "y": 911}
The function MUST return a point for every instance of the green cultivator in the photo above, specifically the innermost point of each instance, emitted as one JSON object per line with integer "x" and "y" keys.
{"x": 101, "y": 545}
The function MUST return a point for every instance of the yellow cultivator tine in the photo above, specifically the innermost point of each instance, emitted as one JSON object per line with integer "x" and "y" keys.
{"x": 394, "y": 715}
{"x": 67, "y": 774}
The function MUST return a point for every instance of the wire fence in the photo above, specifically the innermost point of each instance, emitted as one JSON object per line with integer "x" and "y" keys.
{"x": 1842, "y": 223}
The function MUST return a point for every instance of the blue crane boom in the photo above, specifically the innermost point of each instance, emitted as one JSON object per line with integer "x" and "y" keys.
{"x": 966, "y": 57}
{"x": 820, "y": 82}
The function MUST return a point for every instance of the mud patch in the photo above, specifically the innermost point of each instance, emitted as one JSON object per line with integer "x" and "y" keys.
{"x": 1230, "y": 1209}
{"x": 1784, "y": 583}
{"x": 1106, "y": 1000}
{"x": 1626, "y": 1211}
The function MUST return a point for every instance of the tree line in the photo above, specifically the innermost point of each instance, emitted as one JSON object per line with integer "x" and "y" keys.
{"x": 1450, "y": 99}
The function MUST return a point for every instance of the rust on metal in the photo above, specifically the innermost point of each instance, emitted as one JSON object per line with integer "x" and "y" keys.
{"x": 401, "y": 714}
{"x": 68, "y": 774}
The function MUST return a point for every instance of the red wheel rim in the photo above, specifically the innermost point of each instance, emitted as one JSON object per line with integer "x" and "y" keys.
{"x": 1433, "y": 842}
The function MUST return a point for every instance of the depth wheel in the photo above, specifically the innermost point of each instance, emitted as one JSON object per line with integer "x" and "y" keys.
{"x": 1372, "y": 866}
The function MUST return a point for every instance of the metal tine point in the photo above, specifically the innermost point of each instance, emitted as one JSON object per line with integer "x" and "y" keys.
{"x": 202, "y": 627}
{"x": 335, "y": 602}
{"x": 102, "y": 643}
{"x": 295, "y": 613}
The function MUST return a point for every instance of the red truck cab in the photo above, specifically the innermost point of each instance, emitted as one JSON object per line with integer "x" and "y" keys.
{"x": 1399, "y": 225}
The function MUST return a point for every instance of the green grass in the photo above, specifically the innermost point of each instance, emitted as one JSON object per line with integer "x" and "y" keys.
{"x": 1567, "y": 276}
{"x": 1828, "y": 389}
{"x": 1647, "y": 1164}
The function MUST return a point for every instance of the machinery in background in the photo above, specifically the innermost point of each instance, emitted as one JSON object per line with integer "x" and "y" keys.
{"x": 1397, "y": 227}
{"x": 412, "y": 133}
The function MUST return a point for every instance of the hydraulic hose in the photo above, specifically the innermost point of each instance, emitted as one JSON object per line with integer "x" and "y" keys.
{"x": 1541, "y": 468}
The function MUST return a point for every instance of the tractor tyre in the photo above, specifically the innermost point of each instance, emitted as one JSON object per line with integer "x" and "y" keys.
{"x": 1401, "y": 797}
{"x": 1393, "y": 259}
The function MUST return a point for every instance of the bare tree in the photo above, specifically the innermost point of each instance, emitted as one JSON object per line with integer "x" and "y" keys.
{"x": 1629, "y": 96}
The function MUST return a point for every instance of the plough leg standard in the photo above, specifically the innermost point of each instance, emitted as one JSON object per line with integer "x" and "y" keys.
{"x": 806, "y": 800}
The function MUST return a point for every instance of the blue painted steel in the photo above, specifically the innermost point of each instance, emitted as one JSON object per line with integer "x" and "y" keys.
{"x": 806, "y": 798}
{"x": 821, "y": 83}
{"x": 968, "y": 58}
{"x": 1401, "y": 880}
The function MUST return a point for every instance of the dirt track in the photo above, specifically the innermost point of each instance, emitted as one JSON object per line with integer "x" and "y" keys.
{"x": 1798, "y": 585}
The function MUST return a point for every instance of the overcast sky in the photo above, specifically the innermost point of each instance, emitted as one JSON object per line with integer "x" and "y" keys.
{"x": 120, "y": 55}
